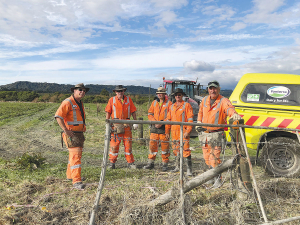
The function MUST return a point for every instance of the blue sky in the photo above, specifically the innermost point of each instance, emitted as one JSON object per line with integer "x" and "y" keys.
{"x": 138, "y": 42}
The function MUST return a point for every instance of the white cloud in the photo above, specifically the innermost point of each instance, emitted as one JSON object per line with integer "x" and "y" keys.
{"x": 219, "y": 13}
{"x": 272, "y": 12}
{"x": 194, "y": 65}
{"x": 169, "y": 3}
{"x": 238, "y": 26}
{"x": 226, "y": 37}
{"x": 26, "y": 49}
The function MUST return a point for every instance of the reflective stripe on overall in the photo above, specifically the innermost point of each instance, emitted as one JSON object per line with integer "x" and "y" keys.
{"x": 115, "y": 110}
{"x": 216, "y": 108}
{"x": 155, "y": 139}
{"x": 212, "y": 152}
{"x": 176, "y": 136}
{"x": 117, "y": 138}
{"x": 75, "y": 121}
{"x": 166, "y": 109}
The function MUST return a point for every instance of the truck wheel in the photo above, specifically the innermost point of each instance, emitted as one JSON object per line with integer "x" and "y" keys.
{"x": 281, "y": 157}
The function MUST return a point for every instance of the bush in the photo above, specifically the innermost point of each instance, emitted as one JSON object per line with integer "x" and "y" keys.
{"x": 29, "y": 162}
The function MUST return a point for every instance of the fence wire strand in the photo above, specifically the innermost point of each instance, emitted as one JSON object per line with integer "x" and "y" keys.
{"x": 126, "y": 192}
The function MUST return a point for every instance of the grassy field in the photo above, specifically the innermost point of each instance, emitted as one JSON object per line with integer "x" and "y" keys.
{"x": 34, "y": 189}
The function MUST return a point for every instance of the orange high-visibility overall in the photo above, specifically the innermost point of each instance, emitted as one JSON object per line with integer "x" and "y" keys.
{"x": 181, "y": 113}
{"x": 69, "y": 111}
{"x": 159, "y": 112}
{"x": 212, "y": 138}
{"x": 121, "y": 110}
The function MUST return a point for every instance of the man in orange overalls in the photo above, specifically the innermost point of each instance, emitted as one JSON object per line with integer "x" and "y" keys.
{"x": 71, "y": 118}
{"x": 121, "y": 107}
{"x": 181, "y": 111}
{"x": 214, "y": 109}
{"x": 158, "y": 111}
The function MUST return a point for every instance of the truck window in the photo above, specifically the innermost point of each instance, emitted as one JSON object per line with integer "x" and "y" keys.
{"x": 169, "y": 89}
{"x": 274, "y": 94}
{"x": 188, "y": 89}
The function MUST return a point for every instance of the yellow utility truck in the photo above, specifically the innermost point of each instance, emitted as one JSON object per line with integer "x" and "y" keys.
{"x": 271, "y": 100}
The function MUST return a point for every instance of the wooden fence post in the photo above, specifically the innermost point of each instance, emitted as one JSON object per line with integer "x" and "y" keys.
{"x": 141, "y": 133}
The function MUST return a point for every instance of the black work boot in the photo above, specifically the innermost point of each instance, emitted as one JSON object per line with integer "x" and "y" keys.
{"x": 189, "y": 166}
{"x": 165, "y": 167}
{"x": 150, "y": 165}
{"x": 177, "y": 162}
{"x": 112, "y": 166}
{"x": 131, "y": 166}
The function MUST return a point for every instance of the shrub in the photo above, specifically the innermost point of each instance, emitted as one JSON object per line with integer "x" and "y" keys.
{"x": 29, "y": 162}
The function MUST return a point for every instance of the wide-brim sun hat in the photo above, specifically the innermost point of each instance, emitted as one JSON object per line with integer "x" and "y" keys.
{"x": 179, "y": 90}
{"x": 119, "y": 88}
{"x": 161, "y": 90}
{"x": 81, "y": 85}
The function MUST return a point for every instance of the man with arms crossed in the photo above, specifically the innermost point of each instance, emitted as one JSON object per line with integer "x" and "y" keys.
{"x": 158, "y": 111}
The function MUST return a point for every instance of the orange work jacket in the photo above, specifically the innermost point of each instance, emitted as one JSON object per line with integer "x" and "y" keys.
{"x": 157, "y": 112}
{"x": 217, "y": 113}
{"x": 119, "y": 110}
{"x": 181, "y": 113}
{"x": 70, "y": 113}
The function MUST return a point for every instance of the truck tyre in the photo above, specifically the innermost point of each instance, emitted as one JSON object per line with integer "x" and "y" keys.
{"x": 281, "y": 157}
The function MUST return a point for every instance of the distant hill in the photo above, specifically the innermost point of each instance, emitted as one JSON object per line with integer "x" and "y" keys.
{"x": 95, "y": 89}
{"x": 226, "y": 93}
{"x": 65, "y": 88}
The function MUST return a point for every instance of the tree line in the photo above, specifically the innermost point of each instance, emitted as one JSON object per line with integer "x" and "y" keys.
{"x": 33, "y": 96}
{"x": 95, "y": 89}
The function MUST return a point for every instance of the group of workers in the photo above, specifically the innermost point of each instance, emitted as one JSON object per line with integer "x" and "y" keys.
{"x": 214, "y": 109}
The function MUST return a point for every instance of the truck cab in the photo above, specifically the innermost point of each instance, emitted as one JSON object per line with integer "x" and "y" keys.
{"x": 271, "y": 100}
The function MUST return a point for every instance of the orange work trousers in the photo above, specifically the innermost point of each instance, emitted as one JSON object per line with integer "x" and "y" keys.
{"x": 211, "y": 156}
{"x": 176, "y": 144}
{"x": 74, "y": 163}
{"x": 153, "y": 146}
{"x": 115, "y": 142}
{"x": 211, "y": 147}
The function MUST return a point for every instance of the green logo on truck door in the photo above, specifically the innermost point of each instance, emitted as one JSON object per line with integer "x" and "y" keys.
{"x": 253, "y": 97}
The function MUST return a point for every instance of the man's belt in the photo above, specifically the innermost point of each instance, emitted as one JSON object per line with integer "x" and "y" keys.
{"x": 213, "y": 131}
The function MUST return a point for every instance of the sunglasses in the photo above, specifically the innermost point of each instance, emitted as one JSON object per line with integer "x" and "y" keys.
{"x": 120, "y": 91}
{"x": 214, "y": 82}
{"x": 80, "y": 89}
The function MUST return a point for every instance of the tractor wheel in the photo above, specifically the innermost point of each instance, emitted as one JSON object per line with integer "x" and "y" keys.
{"x": 281, "y": 157}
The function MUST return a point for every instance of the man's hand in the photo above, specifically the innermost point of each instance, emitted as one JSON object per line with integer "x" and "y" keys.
{"x": 198, "y": 128}
{"x": 236, "y": 117}
{"x": 186, "y": 135}
{"x": 135, "y": 126}
{"x": 158, "y": 125}
{"x": 168, "y": 136}
{"x": 69, "y": 133}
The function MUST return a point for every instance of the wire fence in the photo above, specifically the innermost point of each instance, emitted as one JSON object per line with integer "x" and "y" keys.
{"x": 237, "y": 174}
{"x": 130, "y": 196}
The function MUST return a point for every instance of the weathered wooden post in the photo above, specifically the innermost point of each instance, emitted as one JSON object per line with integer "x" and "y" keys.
{"x": 141, "y": 139}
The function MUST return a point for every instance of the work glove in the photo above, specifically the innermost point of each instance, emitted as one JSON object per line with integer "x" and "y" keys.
{"x": 236, "y": 117}
{"x": 135, "y": 126}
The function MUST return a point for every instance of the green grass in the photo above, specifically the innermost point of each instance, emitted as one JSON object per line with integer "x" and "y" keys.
{"x": 31, "y": 128}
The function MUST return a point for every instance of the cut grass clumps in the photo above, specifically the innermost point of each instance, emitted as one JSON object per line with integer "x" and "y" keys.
{"x": 30, "y": 162}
